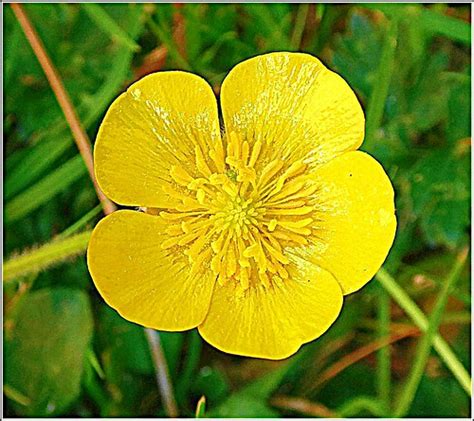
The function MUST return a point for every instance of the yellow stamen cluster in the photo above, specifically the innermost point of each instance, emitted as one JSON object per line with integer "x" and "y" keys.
{"x": 240, "y": 213}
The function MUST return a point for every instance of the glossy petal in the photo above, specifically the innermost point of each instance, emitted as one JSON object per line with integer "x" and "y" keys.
{"x": 156, "y": 124}
{"x": 357, "y": 219}
{"x": 294, "y": 105}
{"x": 143, "y": 282}
{"x": 273, "y": 323}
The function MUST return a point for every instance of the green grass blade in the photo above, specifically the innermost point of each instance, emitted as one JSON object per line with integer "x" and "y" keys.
{"x": 271, "y": 26}
{"x": 34, "y": 163}
{"x": 45, "y": 256}
{"x": 58, "y": 140}
{"x": 38, "y": 194}
{"x": 78, "y": 225}
{"x": 383, "y": 355}
{"x": 376, "y": 105}
{"x": 94, "y": 362}
{"x": 16, "y": 396}
{"x": 328, "y": 16}
{"x": 109, "y": 26}
{"x": 353, "y": 407}
{"x": 163, "y": 37}
{"x": 420, "y": 320}
{"x": 431, "y": 21}
{"x": 300, "y": 22}
{"x": 201, "y": 407}
{"x": 424, "y": 347}
{"x": 190, "y": 366}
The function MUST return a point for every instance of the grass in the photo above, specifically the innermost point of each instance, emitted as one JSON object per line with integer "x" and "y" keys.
{"x": 409, "y": 74}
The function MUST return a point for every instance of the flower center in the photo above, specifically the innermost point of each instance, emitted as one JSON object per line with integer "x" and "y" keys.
{"x": 241, "y": 212}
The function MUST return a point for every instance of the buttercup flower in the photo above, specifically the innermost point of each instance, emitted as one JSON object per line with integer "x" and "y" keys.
{"x": 254, "y": 232}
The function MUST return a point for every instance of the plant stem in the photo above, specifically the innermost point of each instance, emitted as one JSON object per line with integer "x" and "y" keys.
{"x": 83, "y": 144}
{"x": 383, "y": 355}
{"x": 44, "y": 256}
{"x": 379, "y": 93}
{"x": 420, "y": 320}
{"x": 424, "y": 347}
{"x": 78, "y": 132}
{"x": 161, "y": 371}
{"x": 300, "y": 23}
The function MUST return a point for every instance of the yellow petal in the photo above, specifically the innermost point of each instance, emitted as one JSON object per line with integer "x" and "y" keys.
{"x": 294, "y": 105}
{"x": 158, "y": 123}
{"x": 273, "y": 322}
{"x": 357, "y": 218}
{"x": 144, "y": 282}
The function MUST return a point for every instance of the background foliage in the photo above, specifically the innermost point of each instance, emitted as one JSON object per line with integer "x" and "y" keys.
{"x": 67, "y": 353}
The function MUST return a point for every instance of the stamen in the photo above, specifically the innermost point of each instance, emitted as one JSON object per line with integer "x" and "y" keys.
{"x": 238, "y": 218}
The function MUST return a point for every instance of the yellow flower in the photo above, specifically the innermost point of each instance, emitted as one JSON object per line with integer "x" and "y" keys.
{"x": 252, "y": 233}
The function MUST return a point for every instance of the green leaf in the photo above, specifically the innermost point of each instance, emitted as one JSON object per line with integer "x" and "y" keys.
{"x": 350, "y": 57}
{"x": 212, "y": 383}
{"x": 441, "y": 196}
{"x": 251, "y": 401}
{"x": 125, "y": 358}
{"x": 125, "y": 341}
{"x": 45, "y": 346}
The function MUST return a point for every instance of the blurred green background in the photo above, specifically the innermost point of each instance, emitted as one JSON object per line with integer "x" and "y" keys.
{"x": 67, "y": 353}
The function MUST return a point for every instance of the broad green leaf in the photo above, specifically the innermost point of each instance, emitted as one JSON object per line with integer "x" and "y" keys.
{"x": 441, "y": 196}
{"x": 45, "y": 345}
{"x": 126, "y": 341}
{"x": 350, "y": 58}
{"x": 212, "y": 383}
{"x": 124, "y": 355}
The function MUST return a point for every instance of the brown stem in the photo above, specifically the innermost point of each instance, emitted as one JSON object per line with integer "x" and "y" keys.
{"x": 78, "y": 132}
{"x": 363, "y": 352}
{"x": 179, "y": 29}
{"x": 313, "y": 409}
{"x": 84, "y": 146}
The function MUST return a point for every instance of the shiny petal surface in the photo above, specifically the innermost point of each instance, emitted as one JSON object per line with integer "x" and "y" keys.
{"x": 273, "y": 322}
{"x": 143, "y": 282}
{"x": 294, "y": 105}
{"x": 357, "y": 219}
{"x": 156, "y": 124}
